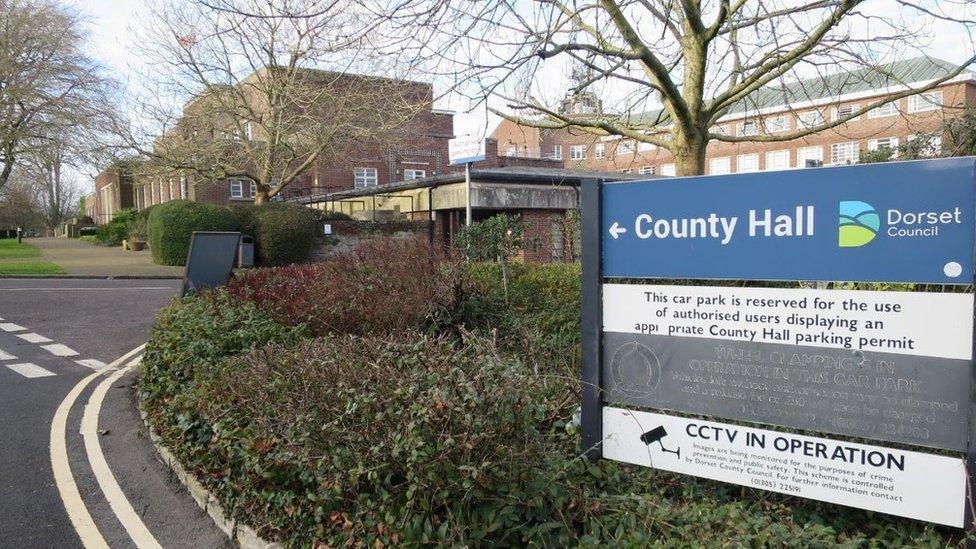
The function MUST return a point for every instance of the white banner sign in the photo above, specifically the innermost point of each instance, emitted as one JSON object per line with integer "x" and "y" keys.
{"x": 466, "y": 148}
{"x": 908, "y": 484}
{"x": 909, "y": 323}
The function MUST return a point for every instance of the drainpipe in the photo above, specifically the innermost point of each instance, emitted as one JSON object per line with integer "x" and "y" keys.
{"x": 467, "y": 192}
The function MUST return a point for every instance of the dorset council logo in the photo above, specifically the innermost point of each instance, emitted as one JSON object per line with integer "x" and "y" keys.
{"x": 859, "y": 223}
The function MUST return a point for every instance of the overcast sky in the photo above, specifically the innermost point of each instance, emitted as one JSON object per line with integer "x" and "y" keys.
{"x": 109, "y": 23}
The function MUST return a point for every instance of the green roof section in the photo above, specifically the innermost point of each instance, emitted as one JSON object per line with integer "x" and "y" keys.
{"x": 865, "y": 79}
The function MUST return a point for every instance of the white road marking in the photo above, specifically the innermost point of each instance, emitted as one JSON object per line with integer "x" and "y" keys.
{"x": 34, "y": 338}
{"x": 6, "y": 356}
{"x": 31, "y": 370}
{"x": 11, "y": 327}
{"x": 120, "y": 505}
{"x": 58, "y": 349}
{"x": 81, "y": 519}
{"x": 87, "y": 289}
{"x": 91, "y": 363}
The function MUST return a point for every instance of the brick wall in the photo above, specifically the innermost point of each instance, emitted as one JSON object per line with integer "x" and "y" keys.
{"x": 544, "y": 236}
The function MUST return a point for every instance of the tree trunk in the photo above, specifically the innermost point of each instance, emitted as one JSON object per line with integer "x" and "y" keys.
{"x": 689, "y": 154}
{"x": 260, "y": 197}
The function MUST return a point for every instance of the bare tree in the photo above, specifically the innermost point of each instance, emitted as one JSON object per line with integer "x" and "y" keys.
{"x": 265, "y": 90}
{"x": 673, "y": 69}
{"x": 48, "y": 169}
{"x": 48, "y": 86}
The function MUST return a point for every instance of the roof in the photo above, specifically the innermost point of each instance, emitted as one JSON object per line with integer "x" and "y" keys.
{"x": 866, "y": 79}
{"x": 523, "y": 175}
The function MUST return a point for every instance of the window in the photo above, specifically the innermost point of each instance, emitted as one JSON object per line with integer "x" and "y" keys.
{"x": 413, "y": 174}
{"x": 777, "y": 124}
{"x": 627, "y": 170}
{"x": 667, "y": 169}
{"x": 888, "y": 109}
{"x": 557, "y": 152}
{"x": 720, "y": 166}
{"x": 577, "y": 152}
{"x": 928, "y": 101}
{"x": 883, "y": 143}
{"x": 364, "y": 177}
{"x": 237, "y": 188}
{"x": 749, "y": 127}
{"x": 808, "y": 157}
{"x": 512, "y": 150}
{"x": 778, "y": 160}
{"x": 248, "y": 130}
{"x": 625, "y": 147}
{"x": 183, "y": 187}
{"x": 600, "y": 151}
{"x": 720, "y": 130}
{"x": 646, "y": 170}
{"x": 844, "y": 153}
{"x": 252, "y": 189}
{"x": 745, "y": 163}
{"x": 810, "y": 119}
{"x": 645, "y": 147}
{"x": 843, "y": 112}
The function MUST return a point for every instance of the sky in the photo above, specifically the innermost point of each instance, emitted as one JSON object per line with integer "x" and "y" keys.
{"x": 109, "y": 23}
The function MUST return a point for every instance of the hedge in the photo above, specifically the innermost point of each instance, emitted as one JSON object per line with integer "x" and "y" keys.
{"x": 434, "y": 434}
{"x": 171, "y": 227}
{"x": 284, "y": 233}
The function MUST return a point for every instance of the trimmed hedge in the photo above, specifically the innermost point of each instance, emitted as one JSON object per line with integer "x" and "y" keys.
{"x": 284, "y": 233}
{"x": 171, "y": 226}
{"x": 117, "y": 229}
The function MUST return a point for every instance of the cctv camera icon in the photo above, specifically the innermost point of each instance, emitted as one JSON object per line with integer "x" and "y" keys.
{"x": 655, "y": 435}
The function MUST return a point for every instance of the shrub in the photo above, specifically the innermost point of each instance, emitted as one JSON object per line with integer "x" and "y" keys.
{"x": 171, "y": 226}
{"x": 384, "y": 285}
{"x": 88, "y": 231}
{"x": 284, "y": 233}
{"x": 139, "y": 226}
{"x": 191, "y": 333}
{"x": 117, "y": 229}
{"x": 541, "y": 318}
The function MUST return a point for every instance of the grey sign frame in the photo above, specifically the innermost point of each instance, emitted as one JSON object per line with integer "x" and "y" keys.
{"x": 593, "y": 393}
{"x": 210, "y": 260}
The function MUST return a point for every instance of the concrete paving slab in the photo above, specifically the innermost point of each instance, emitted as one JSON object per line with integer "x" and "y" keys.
{"x": 80, "y": 258}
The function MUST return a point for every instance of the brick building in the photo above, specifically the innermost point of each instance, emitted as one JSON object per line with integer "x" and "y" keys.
{"x": 779, "y": 110}
{"x": 416, "y": 147}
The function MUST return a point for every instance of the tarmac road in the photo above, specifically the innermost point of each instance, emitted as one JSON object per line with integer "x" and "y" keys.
{"x": 56, "y": 334}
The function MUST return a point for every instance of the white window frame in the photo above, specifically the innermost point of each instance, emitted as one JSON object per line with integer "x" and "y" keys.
{"x": 720, "y": 130}
{"x": 237, "y": 188}
{"x": 925, "y": 102}
{"x": 627, "y": 170}
{"x": 777, "y": 124}
{"x": 883, "y": 143}
{"x": 804, "y": 153}
{"x": 646, "y": 170}
{"x": 668, "y": 169}
{"x": 511, "y": 151}
{"x": 182, "y": 187}
{"x": 771, "y": 157}
{"x": 748, "y": 160}
{"x": 888, "y": 109}
{"x": 252, "y": 189}
{"x": 557, "y": 152}
{"x": 577, "y": 152}
{"x": 853, "y": 149}
{"x": 835, "y": 114}
{"x": 364, "y": 177}
{"x": 410, "y": 174}
{"x": 248, "y": 130}
{"x": 600, "y": 151}
{"x": 643, "y": 146}
{"x": 625, "y": 148}
{"x": 721, "y": 165}
{"x": 810, "y": 119}
{"x": 752, "y": 125}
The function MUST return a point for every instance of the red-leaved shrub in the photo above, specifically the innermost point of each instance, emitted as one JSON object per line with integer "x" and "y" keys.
{"x": 382, "y": 286}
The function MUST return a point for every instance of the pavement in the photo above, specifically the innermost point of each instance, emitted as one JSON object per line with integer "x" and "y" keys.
{"x": 80, "y": 258}
{"x": 76, "y": 465}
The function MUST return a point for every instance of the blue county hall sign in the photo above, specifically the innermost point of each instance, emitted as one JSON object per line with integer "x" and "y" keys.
{"x": 895, "y": 222}
{"x": 883, "y": 365}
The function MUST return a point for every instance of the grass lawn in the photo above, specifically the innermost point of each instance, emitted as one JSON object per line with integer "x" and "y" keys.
{"x": 15, "y": 259}
{"x": 11, "y": 249}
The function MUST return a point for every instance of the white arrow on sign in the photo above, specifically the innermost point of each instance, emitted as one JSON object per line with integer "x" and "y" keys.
{"x": 616, "y": 230}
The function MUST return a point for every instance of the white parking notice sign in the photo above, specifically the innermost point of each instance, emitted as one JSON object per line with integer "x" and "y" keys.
{"x": 900, "y": 482}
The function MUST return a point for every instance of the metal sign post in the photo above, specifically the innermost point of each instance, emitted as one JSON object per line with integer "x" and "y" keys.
{"x": 890, "y": 366}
